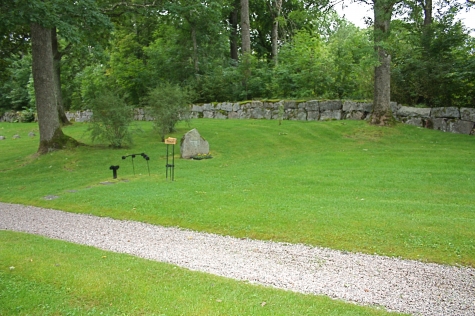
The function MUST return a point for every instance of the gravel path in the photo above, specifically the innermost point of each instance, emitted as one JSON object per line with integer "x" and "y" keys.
{"x": 399, "y": 285}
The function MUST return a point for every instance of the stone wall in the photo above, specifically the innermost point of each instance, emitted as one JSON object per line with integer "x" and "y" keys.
{"x": 10, "y": 116}
{"x": 448, "y": 119}
{"x": 85, "y": 116}
{"x": 79, "y": 116}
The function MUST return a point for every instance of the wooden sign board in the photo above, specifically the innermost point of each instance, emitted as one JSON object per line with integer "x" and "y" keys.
{"x": 170, "y": 141}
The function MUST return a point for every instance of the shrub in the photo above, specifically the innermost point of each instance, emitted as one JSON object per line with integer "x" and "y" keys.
{"x": 168, "y": 104}
{"x": 111, "y": 120}
{"x": 27, "y": 115}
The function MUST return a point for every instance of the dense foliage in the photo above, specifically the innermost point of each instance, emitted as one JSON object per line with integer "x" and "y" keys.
{"x": 168, "y": 104}
{"x": 188, "y": 43}
{"x": 433, "y": 65}
{"x": 111, "y": 120}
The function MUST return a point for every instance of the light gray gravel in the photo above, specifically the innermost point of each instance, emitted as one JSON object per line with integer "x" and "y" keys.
{"x": 399, "y": 285}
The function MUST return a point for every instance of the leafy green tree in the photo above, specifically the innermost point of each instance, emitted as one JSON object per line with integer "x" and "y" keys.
{"x": 15, "y": 89}
{"x": 353, "y": 59}
{"x": 304, "y": 69}
{"x": 433, "y": 63}
{"x": 72, "y": 19}
{"x": 127, "y": 71}
{"x": 168, "y": 104}
{"x": 111, "y": 120}
{"x": 189, "y": 44}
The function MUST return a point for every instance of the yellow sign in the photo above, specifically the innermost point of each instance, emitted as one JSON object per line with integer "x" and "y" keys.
{"x": 170, "y": 141}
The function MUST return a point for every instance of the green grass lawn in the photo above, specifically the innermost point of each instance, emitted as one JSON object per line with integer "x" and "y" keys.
{"x": 399, "y": 191}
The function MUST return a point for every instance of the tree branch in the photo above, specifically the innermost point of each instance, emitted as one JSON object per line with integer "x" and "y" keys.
{"x": 126, "y": 4}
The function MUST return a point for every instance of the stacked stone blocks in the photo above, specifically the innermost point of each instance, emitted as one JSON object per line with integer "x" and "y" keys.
{"x": 446, "y": 119}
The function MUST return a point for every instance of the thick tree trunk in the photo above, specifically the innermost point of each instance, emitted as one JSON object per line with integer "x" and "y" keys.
{"x": 57, "y": 78}
{"x": 51, "y": 135}
{"x": 245, "y": 27}
{"x": 275, "y": 30}
{"x": 233, "y": 39}
{"x": 382, "y": 114}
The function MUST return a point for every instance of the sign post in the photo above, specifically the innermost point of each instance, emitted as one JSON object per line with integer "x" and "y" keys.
{"x": 170, "y": 141}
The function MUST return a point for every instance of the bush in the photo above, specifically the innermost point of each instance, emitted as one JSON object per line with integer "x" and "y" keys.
{"x": 168, "y": 104}
{"x": 111, "y": 120}
{"x": 27, "y": 115}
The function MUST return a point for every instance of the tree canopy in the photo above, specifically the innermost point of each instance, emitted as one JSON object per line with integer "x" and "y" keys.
{"x": 296, "y": 49}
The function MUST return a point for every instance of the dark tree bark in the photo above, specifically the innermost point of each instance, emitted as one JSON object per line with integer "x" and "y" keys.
{"x": 233, "y": 39}
{"x": 427, "y": 7}
{"x": 382, "y": 114}
{"x": 51, "y": 135}
{"x": 245, "y": 27}
{"x": 195, "y": 49}
{"x": 275, "y": 30}
{"x": 57, "y": 55}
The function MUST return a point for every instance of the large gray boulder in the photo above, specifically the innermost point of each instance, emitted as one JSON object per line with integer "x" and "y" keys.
{"x": 467, "y": 114}
{"x": 208, "y": 114}
{"x": 220, "y": 115}
{"x": 208, "y": 107}
{"x": 331, "y": 105}
{"x": 415, "y": 121}
{"x": 448, "y": 112}
{"x": 301, "y": 115}
{"x": 461, "y": 127}
{"x": 197, "y": 108}
{"x": 257, "y": 113}
{"x": 268, "y": 114}
{"x": 439, "y": 124}
{"x": 312, "y": 105}
{"x": 290, "y": 105}
{"x": 233, "y": 115}
{"x": 409, "y": 111}
{"x": 313, "y": 115}
{"x": 355, "y": 115}
{"x": 227, "y": 106}
{"x": 193, "y": 144}
{"x": 330, "y": 115}
{"x": 394, "y": 107}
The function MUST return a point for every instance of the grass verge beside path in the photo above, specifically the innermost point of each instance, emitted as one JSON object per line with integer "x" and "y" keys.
{"x": 40, "y": 276}
{"x": 400, "y": 191}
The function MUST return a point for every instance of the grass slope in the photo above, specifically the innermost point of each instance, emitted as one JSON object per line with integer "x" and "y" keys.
{"x": 399, "y": 191}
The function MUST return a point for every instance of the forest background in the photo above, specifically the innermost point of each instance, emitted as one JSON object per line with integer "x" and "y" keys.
{"x": 299, "y": 50}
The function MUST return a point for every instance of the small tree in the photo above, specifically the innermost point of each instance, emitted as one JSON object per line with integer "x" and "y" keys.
{"x": 111, "y": 120}
{"x": 168, "y": 104}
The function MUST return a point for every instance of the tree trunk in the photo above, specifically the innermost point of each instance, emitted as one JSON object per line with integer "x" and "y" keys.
{"x": 195, "y": 49}
{"x": 51, "y": 135}
{"x": 233, "y": 38}
{"x": 382, "y": 114}
{"x": 245, "y": 27}
{"x": 427, "y": 26}
{"x": 275, "y": 30}
{"x": 57, "y": 78}
{"x": 427, "y": 7}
